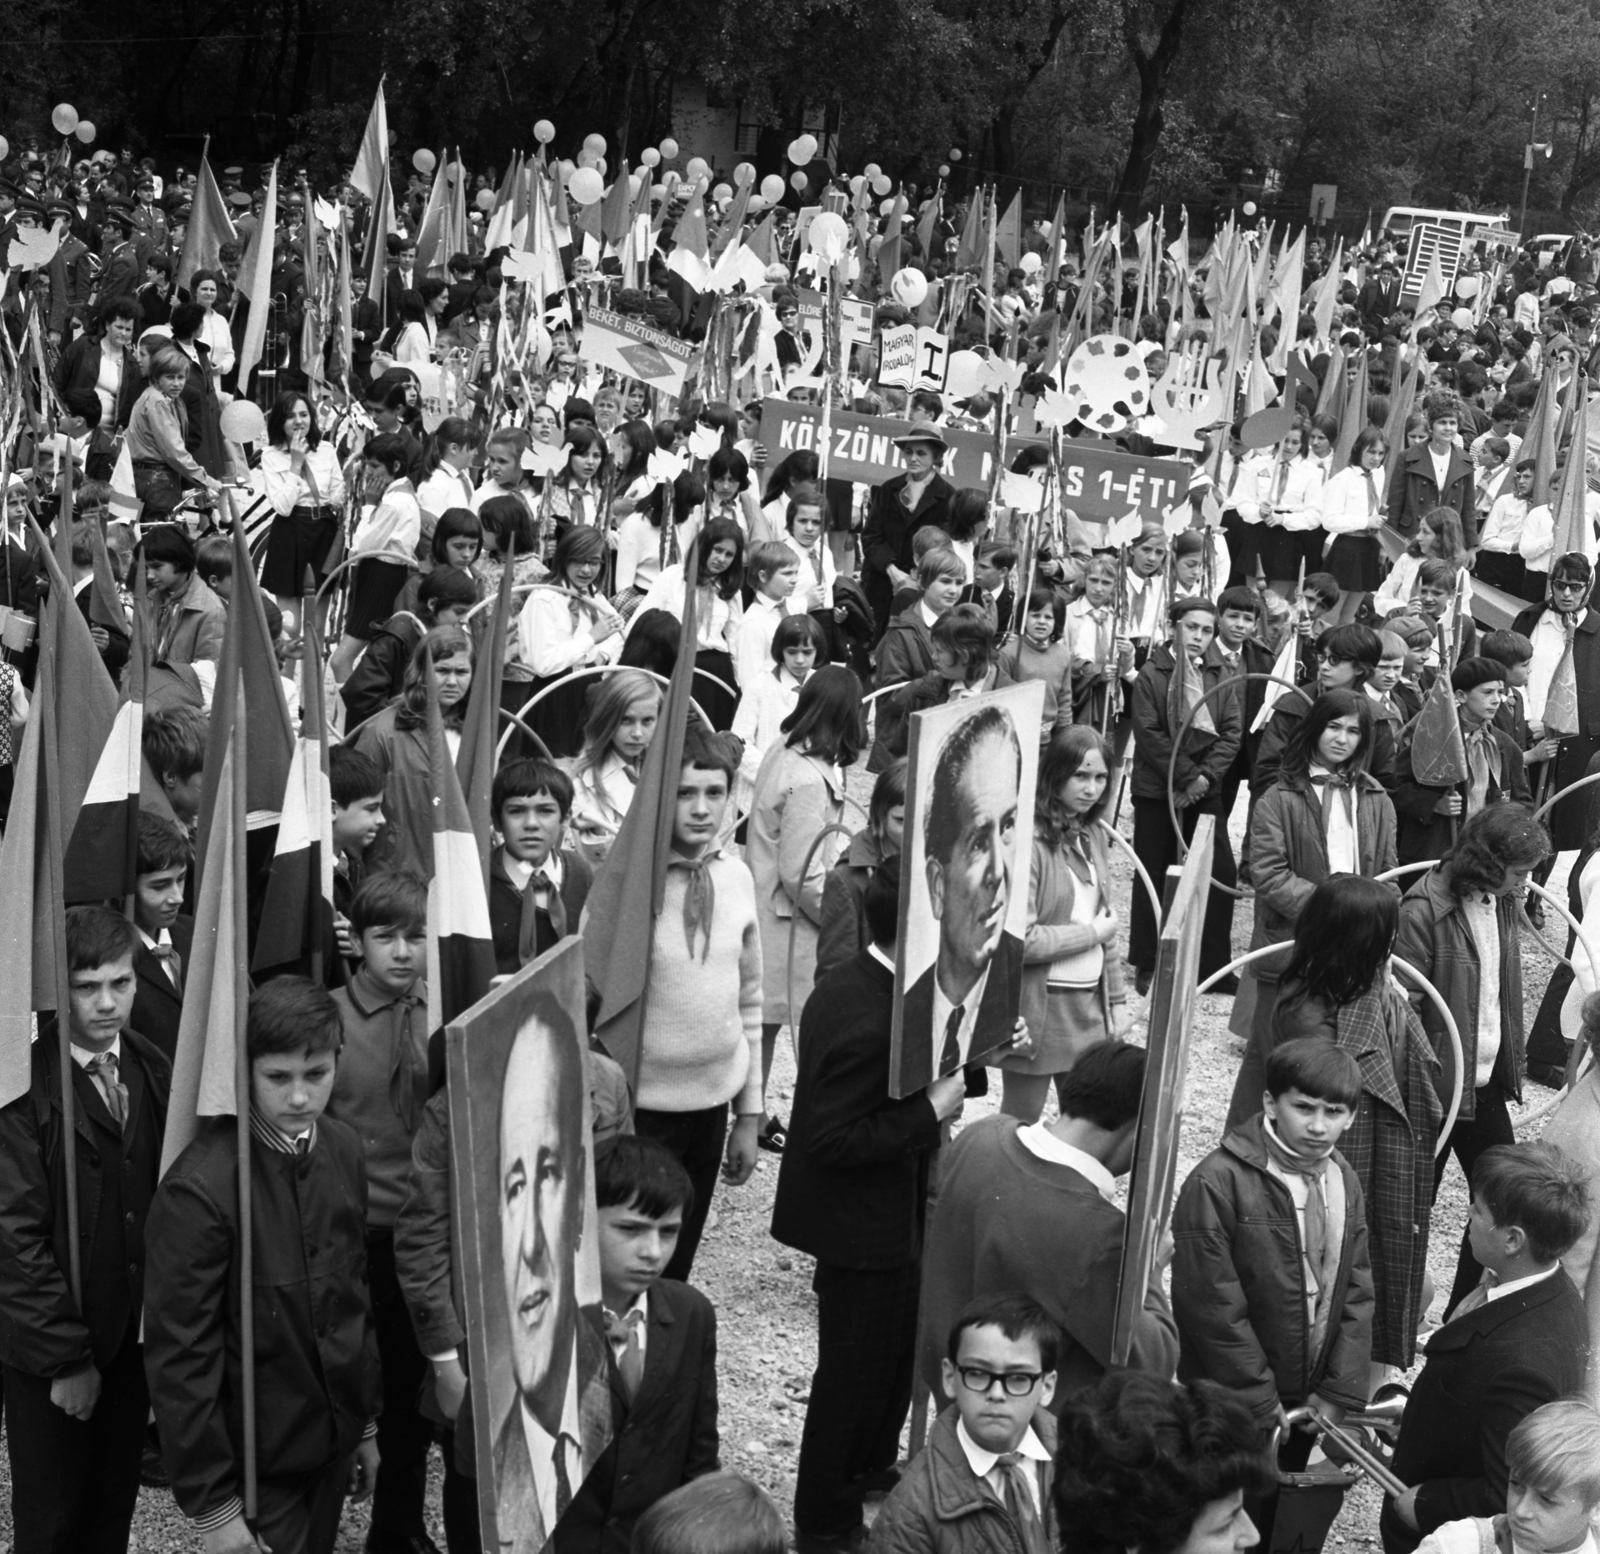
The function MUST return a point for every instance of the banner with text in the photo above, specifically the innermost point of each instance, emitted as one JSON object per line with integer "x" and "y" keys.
{"x": 1098, "y": 480}
{"x": 634, "y": 349}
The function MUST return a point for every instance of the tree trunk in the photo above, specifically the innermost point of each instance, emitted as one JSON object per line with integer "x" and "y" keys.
{"x": 1154, "y": 67}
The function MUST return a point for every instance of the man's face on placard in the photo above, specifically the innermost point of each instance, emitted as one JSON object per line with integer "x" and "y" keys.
{"x": 541, "y": 1209}
{"x": 970, "y": 891}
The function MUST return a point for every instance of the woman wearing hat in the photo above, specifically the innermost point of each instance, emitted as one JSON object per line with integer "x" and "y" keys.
{"x": 898, "y": 508}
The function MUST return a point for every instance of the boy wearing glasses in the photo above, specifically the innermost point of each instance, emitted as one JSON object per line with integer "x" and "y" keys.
{"x": 984, "y": 1480}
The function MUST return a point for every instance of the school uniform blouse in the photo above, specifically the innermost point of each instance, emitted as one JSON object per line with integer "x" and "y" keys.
{"x": 639, "y": 549}
{"x": 575, "y": 504}
{"x": 1251, "y": 491}
{"x": 285, "y": 489}
{"x": 446, "y": 488}
{"x": 1296, "y": 496}
{"x": 390, "y": 530}
{"x": 817, "y": 569}
{"x": 1091, "y": 632}
{"x": 1539, "y": 532}
{"x": 716, "y": 619}
{"x": 1501, "y": 531}
{"x": 601, "y": 813}
{"x": 413, "y": 345}
{"x": 757, "y": 720}
{"x": 1352, "y": 502}
{"x": 556, "y": 631}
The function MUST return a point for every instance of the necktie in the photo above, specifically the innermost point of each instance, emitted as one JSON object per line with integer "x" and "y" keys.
{"x": 1372, "y": 493}
{"x": 528, "y": 928}
{"x": 1477, "y": 1296}
{"x": 115, "y": 1093}
{"x": 408, "y": 1074}
{"x": 558, "y": 1459}
{"x": 1321, "y": 1251}
{"x": 624, "y": 1335}
{"x": 302, "y": 1145}
{"x": 1013, "y": 1469}
{"x": 171, "y": 961}
{"x": 950, "y": 1054}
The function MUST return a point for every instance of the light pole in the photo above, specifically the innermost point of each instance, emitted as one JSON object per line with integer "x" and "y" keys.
{"x": 1527, "y": 164}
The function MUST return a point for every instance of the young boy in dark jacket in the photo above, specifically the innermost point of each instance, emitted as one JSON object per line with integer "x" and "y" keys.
{"x": 982, "y": 1486}
{"x": 537, "y": 888}
{"x": 1271, "y": 1279}
{"x": 316, "y": 1374}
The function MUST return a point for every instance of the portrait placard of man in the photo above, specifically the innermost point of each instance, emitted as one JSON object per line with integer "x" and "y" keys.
{"x": 524, "y": 1190}
{"x": 969, "y": 828}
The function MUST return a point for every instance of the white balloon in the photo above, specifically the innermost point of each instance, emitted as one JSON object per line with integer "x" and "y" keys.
{"x": 649, "y": 157}
{"x": 809, "y": 141}
{"x": 85, "y": 131}
{"x": 595, "y": 143}
{"x": 744, "y": 173}
{"x": 65, "y": 118}
{"x": 799, "y": 152}
{"x": 600, "y": 165}
{"x": 772, "y": 188}
{"x": 827, "y": 236}
{"x": 698, "y": 167}
{"x": 565, "y": 168}
{"x": 857, "y": 184}
{"x": 755, "y": 203}
{"x": 544, "y": 132}
{"x": 242, "y": 421}
{"x": 882, "y": 184}
{"x": 871, "y": 170}
{"x": 634, "y": 181}
{"x": 1029, "y": 264}
{"x": 885, "y": 207}
{"x": 798, "y": 180}
{"x": 955, "y": 153}
{"x": 909, "y": 287}
{"x": 721, "y": 192}
{"x": 963, "y": 375}
{"x": 944, "y": 169}
{"x": 587, "y": 158}
{"x": 5, "y": 148}
{"x": 1249, "y": 207}
{"x": 586, "y": 186}
{"x": 669, "y": 148}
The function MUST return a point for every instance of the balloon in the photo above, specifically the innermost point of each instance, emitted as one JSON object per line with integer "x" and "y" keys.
{"x": 565, "y": 169}
{"x": 544, "y": 132}
{"x": 649, "y": 157}
{"x": 1249, "y": 207}
{"x": 909, "y": 287}
{"x": 669, "y": 148}
{"x": 799, "y": 153}
{"x": 65, "y": 118}
{"x": 242, "y": 421}
{"x": 944, "y": 169}
{"x": 698, "y": 167}
{"x": 600, "y": 165}
{"x": 484, "y": 199}
{"x": 963, "y": 374}
{"x": 885, "y": 207}
{"x": 755, "y": 203}
{"x": 423, "y": 160}
{"x": 85, "y": 131}
{"x": 1029, "y": 264}
{"x": 827, "y": 236}
{"x": 595, "y": 143}
{"x": 587, "y": 158}
{"x": 585, "y": 185}
{"x": 810, "y": 143}
{"x": 452, "y": 171}
{"x": 772, "y": 188}
{"x": 955, "y": 153}
{"x": 634, "y": 181}
{"x": 743, "y": 174}
{"x": 798, "y": 181}
{"x": 5, "y": 148}
{"x": 881, "y": 184}
{"x": 871, "y": 170}
{"x": 857, "y": 184}
{"x": 721, "y": 192}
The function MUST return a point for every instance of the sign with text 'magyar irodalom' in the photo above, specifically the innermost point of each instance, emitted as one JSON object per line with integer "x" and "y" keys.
{"x": 912, "y": 358}
{"x": 1099, "y": 482}
{"x": 626, "y": 345}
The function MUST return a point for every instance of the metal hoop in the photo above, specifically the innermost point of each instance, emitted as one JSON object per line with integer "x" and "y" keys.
{"x": 1452, "y": 1029}
{"x": 1177, "y": 746}
{"x": 1138, "y": 865}
{"x": 1572, "y": 787}
{"x": 505, "y": 738}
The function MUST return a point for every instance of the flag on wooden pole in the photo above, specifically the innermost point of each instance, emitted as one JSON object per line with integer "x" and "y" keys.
{"x": 255, "y": 281}
{"x": 210, "y": 226}
{"x": 480, "y": 725}
{"x": 371, "y": 171}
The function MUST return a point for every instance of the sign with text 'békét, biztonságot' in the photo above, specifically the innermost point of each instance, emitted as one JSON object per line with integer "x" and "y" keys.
{"x": 1099, "y": 481}
{"x": 633, "y": 348}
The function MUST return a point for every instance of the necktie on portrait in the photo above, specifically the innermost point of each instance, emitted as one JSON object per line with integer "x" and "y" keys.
{"x": 558, "y": 1460}
{"x": 112, "y": 1089}
{"x": 950, "y": 1053}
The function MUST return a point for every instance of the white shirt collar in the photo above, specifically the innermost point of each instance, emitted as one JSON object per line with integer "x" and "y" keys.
{"x": 1511, "y": 1286}
{"x": 928, "y": 617}
{"x": 1038, "y": 1140}
{"x": 879, "y": 956}
{"x": 542, "y": 1445}
{"x": 162, "y": 940}
{"x": 83, "y": 1057}
{"x": 981, "y": 1460}
{"x": 519, "y": 872}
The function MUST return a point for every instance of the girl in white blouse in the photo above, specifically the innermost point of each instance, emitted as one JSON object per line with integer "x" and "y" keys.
{"x": 214, "y": 333}
{"x": 449, "y": 481}
{"x": 575, "y": 492}
{"x": 640, "y": 542}
{"x": 301, "y": 480}
{"x": 1292, "y": 515}
{"x": 383, "y": 547}
{"x": 1352, "y": 513}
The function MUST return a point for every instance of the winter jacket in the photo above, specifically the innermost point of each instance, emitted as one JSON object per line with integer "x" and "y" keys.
{"x": 376, "y": 680}
{"x": 1239, "y": 1286}
{"x": 940, "y": 1506}
{"x": 1203, "y": 754}
{"x": 1426, "y": 834}
{"x": 397, "y": 742}
{"x": 1289, "y": 855}
{"x": 1435, "y": 938}
{"x": 906, "y": 652}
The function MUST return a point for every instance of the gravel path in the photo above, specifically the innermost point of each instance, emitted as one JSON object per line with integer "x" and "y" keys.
{"x": 766, "y": 1311}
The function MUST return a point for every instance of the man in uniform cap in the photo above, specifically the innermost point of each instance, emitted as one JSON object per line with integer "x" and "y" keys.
{"x": 71, "y": 274}
{"x": 124, "y": 268}
{"x": 149, "y": 222}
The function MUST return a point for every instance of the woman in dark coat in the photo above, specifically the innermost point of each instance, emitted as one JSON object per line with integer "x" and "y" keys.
{"x": 898, "y": 508}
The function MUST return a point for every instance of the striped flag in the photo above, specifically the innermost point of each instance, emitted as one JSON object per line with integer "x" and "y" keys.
{"x": 460, "y": 944}
{"x": 431, "y": 256}
{"x": 690, "y": 256}
{"x": 125, "y": 501}
{"x": 371, "y": 171}
{"x": 480, "y": 726}
{"x": 619, "y": 920}
{"x": 296, "y": 922}
{"x": 255, "y": 281}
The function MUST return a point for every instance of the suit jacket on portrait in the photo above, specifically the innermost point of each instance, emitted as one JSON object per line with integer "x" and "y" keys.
{"x": 521, "y": 1527}
{"x": 664, "y": 1437}
{"x": 997, "y": 1014}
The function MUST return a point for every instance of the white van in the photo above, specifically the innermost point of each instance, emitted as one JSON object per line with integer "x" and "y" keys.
{"x": 1399, "y": 219}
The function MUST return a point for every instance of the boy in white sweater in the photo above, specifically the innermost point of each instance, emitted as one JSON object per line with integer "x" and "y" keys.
{"x": 700, "y": 1051}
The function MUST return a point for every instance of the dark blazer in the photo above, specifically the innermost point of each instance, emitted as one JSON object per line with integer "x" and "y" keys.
{"x": 886, "y": 535}
{"x": 662, "y": 1439}
{"x": 1424, "y": 834}
{"x": 1376, "y": 302}
{"x": 1485, "y": 1372}
{"x": 158, "y": 1005}
{"x": 505, "y": 908}
{"x": 997, "y": 1014}
{"x": 43, "y": 1331}
{"x": 853, "y": 1181}
{"x": 115, "y": 653}
{"x": 1585, "y": 658}
{"x": 79, "y": 368}
{"x": 1413, "y": 492}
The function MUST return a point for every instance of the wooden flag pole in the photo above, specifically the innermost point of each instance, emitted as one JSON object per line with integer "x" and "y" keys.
{"x": 241, "y": 1005}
